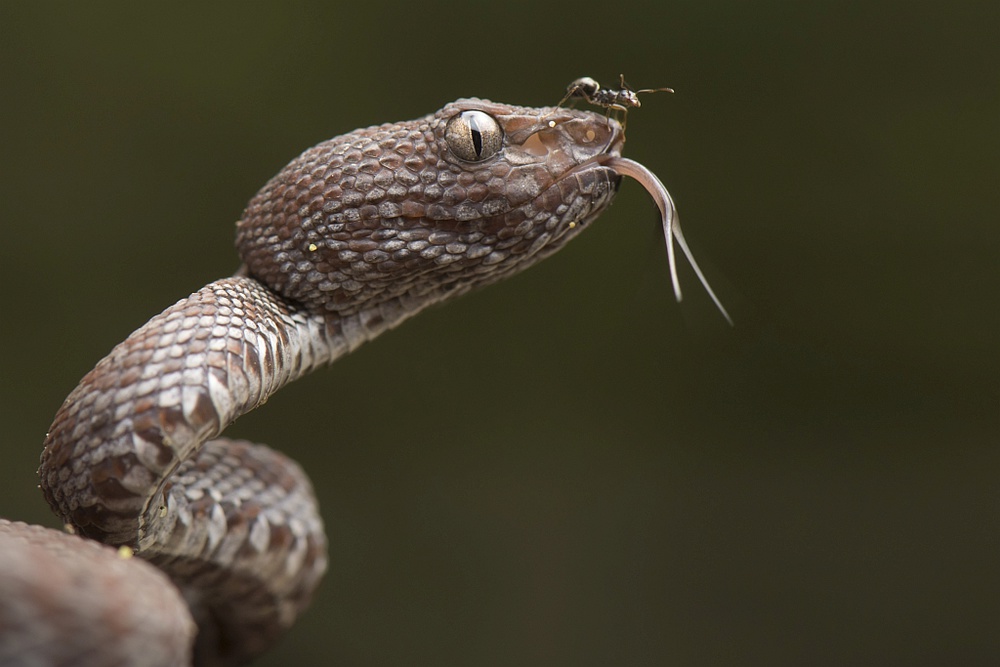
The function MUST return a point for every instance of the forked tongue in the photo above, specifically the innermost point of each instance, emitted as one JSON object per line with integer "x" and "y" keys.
{"x": 671, "y": 225}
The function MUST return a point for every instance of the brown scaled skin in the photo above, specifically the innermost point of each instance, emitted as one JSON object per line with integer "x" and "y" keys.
{"x": 349, "y": 240}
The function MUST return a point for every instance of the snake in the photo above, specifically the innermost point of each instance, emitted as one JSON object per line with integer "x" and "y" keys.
{"x": 351, "y": 238}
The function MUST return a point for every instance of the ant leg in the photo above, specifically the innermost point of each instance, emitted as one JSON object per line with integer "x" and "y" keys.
{"x": 623, "y": 118}
{"x": 570, "y": 92}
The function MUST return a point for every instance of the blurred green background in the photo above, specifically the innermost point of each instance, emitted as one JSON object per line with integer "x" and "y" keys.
{"x": 569, "y": 468}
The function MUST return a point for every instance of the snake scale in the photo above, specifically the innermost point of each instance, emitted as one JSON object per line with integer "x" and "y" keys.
{"x": 351, "y": 238}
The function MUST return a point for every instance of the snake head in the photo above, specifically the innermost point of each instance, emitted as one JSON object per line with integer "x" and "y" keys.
{"x": 410, "y": 213}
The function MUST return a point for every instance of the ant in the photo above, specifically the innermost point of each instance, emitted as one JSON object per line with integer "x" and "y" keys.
{"x": 588, "y": 89}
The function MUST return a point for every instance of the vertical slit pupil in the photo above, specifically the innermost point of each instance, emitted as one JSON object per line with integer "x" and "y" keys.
{"x": 477, "y": 136}
{"x": 478, "y": 131}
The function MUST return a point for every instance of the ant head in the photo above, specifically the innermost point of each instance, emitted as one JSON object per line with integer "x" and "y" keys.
{"x": 627, "y": 98}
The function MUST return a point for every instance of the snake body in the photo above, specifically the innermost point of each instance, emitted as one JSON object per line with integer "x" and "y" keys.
{"x": 350, "y": 239}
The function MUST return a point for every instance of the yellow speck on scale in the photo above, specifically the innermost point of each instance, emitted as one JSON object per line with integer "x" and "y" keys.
{"x": 312, "y": 247}
{"x": 572, "y": 225}
{"x": 125, "y": 552}
{"x": 69, "y": 528}
{"x": 552, "y": 123}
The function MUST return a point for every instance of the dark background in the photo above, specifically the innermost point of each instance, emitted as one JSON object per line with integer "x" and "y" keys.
{"x": 569, "y": 468}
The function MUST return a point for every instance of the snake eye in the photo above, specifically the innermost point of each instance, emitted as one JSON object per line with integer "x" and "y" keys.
{"x": 473, "y": 136}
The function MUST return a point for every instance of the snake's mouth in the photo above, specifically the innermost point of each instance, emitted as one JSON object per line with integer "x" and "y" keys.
{"x": 576, "y": 197}
{"x": 586, "y": 154}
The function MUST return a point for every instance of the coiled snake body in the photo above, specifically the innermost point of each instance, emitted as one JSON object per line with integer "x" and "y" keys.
{"x": 351, "y": 238}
